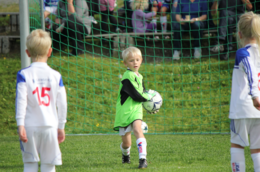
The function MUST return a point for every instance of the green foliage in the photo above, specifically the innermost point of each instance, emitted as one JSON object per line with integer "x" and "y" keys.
{"x": 182, "y": 153}
{"x": 4, "y": 20}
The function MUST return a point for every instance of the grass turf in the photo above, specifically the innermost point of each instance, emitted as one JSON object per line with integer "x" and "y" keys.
{"x": 181, "y": 153}
{"x": 195, "y": 93}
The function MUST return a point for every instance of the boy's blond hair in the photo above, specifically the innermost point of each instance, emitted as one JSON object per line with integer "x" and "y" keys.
{"x": 38, "y": 43}
{"x": 139, "y": 5}
{"x": 248, "y": 25}
{"x": 131, "y": 51}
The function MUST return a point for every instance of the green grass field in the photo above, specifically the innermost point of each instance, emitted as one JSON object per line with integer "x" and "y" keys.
{"x": 95, "y": 80}
{"x": 195, "y": 93}
{"x": 180, "y": 153}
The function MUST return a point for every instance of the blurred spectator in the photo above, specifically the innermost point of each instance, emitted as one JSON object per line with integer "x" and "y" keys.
{"x": 107, "y": 10}
{"x": 162, "y": 6}
{"x": 229, "y": 13}
{"x": 74, "y": 21}
{"x": 140, "y": 18}
{"x": 93, "y": 6}
{"x": 50, "y": 7}
{"x": 190, "y": 15}
{"x": 173, "y": 12}
{"x": 128, "y": 15}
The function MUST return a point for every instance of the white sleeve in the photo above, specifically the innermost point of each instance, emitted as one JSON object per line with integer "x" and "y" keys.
{"x": 21, "y": 99}
{"x": 62, "y": 105}
{"x": 252, "y": 76}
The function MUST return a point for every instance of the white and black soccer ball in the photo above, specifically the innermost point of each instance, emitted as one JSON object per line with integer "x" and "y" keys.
{"x": 144, "y": 127}
{"x": 154, "y": 104}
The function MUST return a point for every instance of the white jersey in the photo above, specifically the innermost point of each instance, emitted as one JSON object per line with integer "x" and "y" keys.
{"x": 39, "y": 92}
{"x": 245, "y": 83}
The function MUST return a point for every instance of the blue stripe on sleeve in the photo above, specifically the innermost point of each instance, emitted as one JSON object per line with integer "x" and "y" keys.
{"x": 61, "y": 82}
{"x": 249, "y": 73}
{"x": 20, "y": 77}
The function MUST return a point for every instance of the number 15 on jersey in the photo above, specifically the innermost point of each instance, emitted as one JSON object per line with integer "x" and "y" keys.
{"x": 42, "y": 94}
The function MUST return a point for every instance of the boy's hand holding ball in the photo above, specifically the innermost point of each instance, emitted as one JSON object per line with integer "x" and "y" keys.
{"x": 151, "y": 94}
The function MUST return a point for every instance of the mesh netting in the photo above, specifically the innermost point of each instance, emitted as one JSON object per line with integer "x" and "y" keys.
{"x": 195, "y": 87}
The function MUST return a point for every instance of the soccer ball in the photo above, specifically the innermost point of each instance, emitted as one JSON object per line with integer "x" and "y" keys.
{"x": 154, "y": 104}
{"x": 144, "y": 127}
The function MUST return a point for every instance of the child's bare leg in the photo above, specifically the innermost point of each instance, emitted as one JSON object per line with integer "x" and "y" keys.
{"x": 237, "y": 157}
{"x": 46, "y": 14}
{"x": 140, "y": 139}
{"x": 125, "y": 147}
{"x": 137, "y": 127}
{"x": 163, "y": 19}
{"x": 154, "y": 20}
{"x": 255, "y": 154}
{"x": 126, "y": 141}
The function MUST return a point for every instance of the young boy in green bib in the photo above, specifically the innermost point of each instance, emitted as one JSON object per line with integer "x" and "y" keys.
{"x": 129, "y": 110}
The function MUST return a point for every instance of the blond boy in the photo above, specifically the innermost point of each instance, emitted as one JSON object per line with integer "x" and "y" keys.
{"x": 39, "y": 92}
{"x": 129, "y": 111}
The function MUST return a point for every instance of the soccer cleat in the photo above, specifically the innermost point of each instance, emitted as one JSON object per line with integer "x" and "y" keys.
{"x": 142, "y": 163}
{"x": 125, "y": 159}
{"x": 217, "y": 48}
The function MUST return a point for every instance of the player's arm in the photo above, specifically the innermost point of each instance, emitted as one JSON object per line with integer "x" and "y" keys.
{"x": 130, "y": 90}
{"x": 71, "y": 8}
{"x": 251, "y": 73}
{"x": 21, "y": 104}
{"x": 62, "y": 111}
{"x": 214, "y": 8}
{"x": 147, "y": 16}
{"x": 130, "y": 87}
{"x": 249, "y": 6}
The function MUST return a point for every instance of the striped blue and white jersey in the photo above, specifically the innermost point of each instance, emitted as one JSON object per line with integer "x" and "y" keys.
{"x": 245, "y": 83}
{"x": 40, "y": 97}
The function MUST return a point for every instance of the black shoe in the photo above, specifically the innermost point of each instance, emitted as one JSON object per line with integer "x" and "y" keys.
{"x": 125, "y": 159}
{"x": 217, "y": 47}
{"x": 142, "y": 163}
{"x": 224, "y": 56}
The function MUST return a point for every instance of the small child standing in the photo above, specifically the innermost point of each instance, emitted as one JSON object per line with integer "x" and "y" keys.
{"x": 129, "y": 111}
{"x": 50, "y": 7}
{"x": 162, "y": 6}
{"x": 140, "y": 18}
{"x": 245, "y": 96}
{"x": 39, "y": 93}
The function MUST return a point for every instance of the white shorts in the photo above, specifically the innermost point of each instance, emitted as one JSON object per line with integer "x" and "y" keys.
{"x": 241, "y": 128}
{"x": 51, "y": 9}
{"x": 43, "y": 141}
{"x": 123, "y": 131}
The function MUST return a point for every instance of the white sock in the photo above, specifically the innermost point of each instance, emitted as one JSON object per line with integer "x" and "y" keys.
{"x": 237, "y": 160}
{"x": 256, "y": 160}
{"x": 163, "y": 20}
{"x": 125, "y": 151}
{"x": 47, "y": 168}
{"x": 141, "y": 145}
{"x": 30, "y": 166}
{"x": 154, "y": 21}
